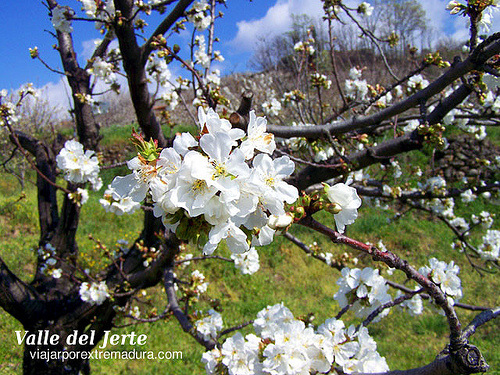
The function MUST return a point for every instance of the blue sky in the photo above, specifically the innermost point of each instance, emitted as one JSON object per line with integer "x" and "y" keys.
{"x": 22, "y": 24}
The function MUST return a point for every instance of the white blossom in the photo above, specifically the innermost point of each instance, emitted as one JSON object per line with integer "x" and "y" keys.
{"x": 211, "y": 360}
{"x": 272, "y": 107}
{"x": 460, "y": 223}
{"x": 365, "y": 9}
{"x": 411, "y": 126}
{"x": 414, "y": 306}
{"x": 445, "y": 276}
{"x": 286, "y": 346}
{"x": 347, "y": 200}
{"x": 94, "y": 293}
{"x": 468, "y": 196}
{"x": 365, "y": 289}
{"x": 197, "y": 15}
{"x": 210, "y": 326}
{"x": 484, "y": 218}
{"x": 257, "y": 138}
{"x": 199, "y": 284}
{"x": 79, "y": 166}
{"x": 61, "y": 19}
{"x": 200, "y": 54}
{"x": 103, "y": 70}
{"x": 218, "y": 180}
{"x": 453, "y": 6}
{"x": 118, "y": 204}
{"x": 490, "y": 248}
{"x": 356, "y": 89}
{"x": 247, "y": 262}
{"x": 416, "y": 83}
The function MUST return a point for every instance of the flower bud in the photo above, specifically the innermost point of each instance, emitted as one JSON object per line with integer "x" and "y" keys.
{"x": 281, "y": 221}
{"x": 333, "y": 208}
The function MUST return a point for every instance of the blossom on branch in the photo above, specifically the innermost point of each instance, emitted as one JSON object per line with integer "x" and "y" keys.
{"x": 284, "y": 345}
{"x": 61, "y": 19}
{"x": 446, "y": 277}
{"x": 94, "y": 293}
{"x": 365, "y": 289}
{"x": 346, "y": 201}
{"x": 79, "y": 166}
{"x": 490, "y": 248}
{"x": 210, "y": 326}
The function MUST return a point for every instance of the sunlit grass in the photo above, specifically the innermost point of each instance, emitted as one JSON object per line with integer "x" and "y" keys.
{"x": 304, "y": 284}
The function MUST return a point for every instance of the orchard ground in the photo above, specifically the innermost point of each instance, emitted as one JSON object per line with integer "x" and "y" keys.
{"x": 304, "y": 284}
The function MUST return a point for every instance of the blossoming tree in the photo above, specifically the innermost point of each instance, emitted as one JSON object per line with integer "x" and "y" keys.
{"x": 242, "y": 181}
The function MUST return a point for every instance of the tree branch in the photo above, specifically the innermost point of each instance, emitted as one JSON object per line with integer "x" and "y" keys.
{"x": 183, "y": 320}
{"x": 19, "y": 299}
{"x": 474, "y": 61}
{"x": 166, "y": 24}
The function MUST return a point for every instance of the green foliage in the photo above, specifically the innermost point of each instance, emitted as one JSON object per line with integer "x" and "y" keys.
{"x": 304, "y": 284}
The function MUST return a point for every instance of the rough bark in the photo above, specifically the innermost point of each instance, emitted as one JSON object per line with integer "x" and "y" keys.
{"x": 79, "y": 81}
{"x": 48, "y": 215}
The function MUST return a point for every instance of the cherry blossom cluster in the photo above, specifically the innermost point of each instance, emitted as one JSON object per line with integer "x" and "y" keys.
{"x": 487, "y": 8}
{"x": 247, "y": 262}
{"x": 219, "y": 179}
{"x": 355, "y": 87}
{"x": 48, "y": 266}
{"x": 94, "y": 293}
{"x": 198, "y": 283}
{"x": 416, "y": 83}
{"x": 79, "y": 166}
{"x": 272, "y": 107}
{"x": 320, "y": 80}
{"x": 490, "y": 248}
{"x": 284, "y": 345}
{"x": 61, "y": 19}
{"x": 446, "y": 277}
{"x": 199, "y": 15}
{"x": 210, "y": 326}
{"x": 365, "y": 289}
{"x": 365, "y": 9}
{"x": 103, "y": 70}
{"x": 102, "y": 10}
{"x": 118, "y": 204}
{"x": 305, "y": 47}
{"x": 8, "y": 111}
{"x": 414, "y": 306}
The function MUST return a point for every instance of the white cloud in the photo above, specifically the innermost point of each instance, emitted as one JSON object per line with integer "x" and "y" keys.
{"x": 454, "y": 26}
{"x": 462, "y": 26}
{"x": 436, "y": 13}
{"x": 89, "y": 46}
{"x": 58, "y": 95}
{"x": 277, "y": 20}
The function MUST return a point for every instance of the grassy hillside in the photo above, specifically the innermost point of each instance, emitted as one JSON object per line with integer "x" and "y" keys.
{"x": 303, "y": 283}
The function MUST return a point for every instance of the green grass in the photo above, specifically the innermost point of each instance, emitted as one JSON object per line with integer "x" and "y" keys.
{"x": 304, "y": 284}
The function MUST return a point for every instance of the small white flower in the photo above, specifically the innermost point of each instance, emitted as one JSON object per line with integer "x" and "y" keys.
{"x": 209, "y": 326}
{"x": 365, "y": 9}
{"x": 416, "y": 83}
{"x": 56, "y": 273}
{"x": 61, "y": 19}
{"x": 247, "y": 262}
{"x": 95, "y": 293}
{"x": 279, "y": 221}
{"x": 347, "y": 200}
{"x": 490, "y": 248}
{"x": 468, "y": 196}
